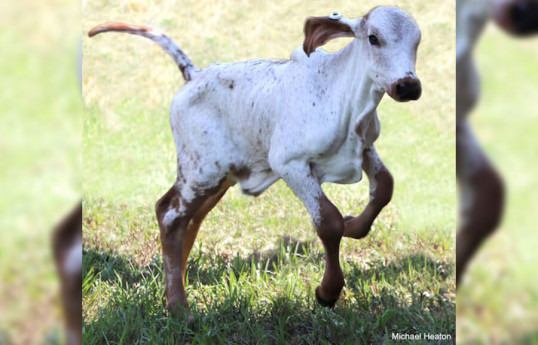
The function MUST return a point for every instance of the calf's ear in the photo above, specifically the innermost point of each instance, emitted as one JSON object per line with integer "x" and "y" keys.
{"x": 320, "y": 30}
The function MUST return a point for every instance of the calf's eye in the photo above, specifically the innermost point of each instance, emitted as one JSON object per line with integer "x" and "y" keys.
{"x": 373, "y": 40}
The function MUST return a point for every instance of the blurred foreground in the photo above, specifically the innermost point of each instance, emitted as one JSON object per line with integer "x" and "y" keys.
{"x": 40, "y": 143}
{"x": 498, "y": 296}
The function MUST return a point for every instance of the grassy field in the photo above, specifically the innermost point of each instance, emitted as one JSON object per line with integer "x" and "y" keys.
{"x": 498, "y": 302}
{"x": 254, "y": 267}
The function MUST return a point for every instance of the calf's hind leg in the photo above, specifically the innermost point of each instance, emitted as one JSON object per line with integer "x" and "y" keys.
{"x": 179, "y": 220}
{"x": 381, "y": 186}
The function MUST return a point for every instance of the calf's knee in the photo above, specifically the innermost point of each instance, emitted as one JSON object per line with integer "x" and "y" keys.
{"x": 168, "y": 216}
{"x": 488, "y": 194}
{"x": 330, "y": 227}
{"x": 384, "y": 187}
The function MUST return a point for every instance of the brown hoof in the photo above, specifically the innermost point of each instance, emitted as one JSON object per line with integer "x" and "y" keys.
{"x": 329, "y": 303}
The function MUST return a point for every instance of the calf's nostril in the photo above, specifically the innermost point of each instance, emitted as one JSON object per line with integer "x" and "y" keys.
{"x": 400, "y": 88}
{"x": 519, "y": 10}
{"x": 408, "y": 91}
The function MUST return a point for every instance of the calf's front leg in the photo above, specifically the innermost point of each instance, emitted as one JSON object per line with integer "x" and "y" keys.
{"x": 381, "y": 186}
{"x": 327, "y": 221}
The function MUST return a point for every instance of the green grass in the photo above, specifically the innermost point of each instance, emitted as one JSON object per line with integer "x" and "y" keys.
{"x": 498, "y": 302}
{"x": 267, "y": 299}
{"x": 257, "y": 261}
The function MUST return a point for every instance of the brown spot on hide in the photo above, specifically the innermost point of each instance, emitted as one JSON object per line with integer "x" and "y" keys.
{"x": 332, "y": 222}
{"x": 241, "y": 173}
{"x": 175, "y": 203}
{"x": 384, "y": 188}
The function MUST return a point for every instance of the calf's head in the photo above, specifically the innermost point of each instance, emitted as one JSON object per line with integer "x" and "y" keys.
{"x": 389, "y": 38}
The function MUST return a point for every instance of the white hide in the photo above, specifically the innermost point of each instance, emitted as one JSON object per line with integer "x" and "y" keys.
{"x": 306, "y": 120}
{"x": 293, "y": 118}
{"x": 399, "y": 36}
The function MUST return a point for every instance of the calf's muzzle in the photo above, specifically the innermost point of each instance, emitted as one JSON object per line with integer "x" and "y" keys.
{"x": 524, "y": 17}
{"x": 407, "y": 89}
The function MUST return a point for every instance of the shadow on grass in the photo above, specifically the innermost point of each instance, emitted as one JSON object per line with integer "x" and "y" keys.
{"x": 4, "y": 337}
{"x": 208, "y": 269}
{"x": 530, "y": 338}
{"x": 234, "y": 305}
{"x": 108, "y": 266}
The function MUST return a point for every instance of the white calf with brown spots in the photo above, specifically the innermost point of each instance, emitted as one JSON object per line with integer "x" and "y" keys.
{"x": 307, "y": 120}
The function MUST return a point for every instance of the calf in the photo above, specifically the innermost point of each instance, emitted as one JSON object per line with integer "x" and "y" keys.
{"x": 481, "y": 187}
{"x": 307, "y": 120}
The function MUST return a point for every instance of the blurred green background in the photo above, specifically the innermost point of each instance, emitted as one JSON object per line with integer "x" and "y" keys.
{"x": 40, "y": 159}
{"x": 498, "y": 302}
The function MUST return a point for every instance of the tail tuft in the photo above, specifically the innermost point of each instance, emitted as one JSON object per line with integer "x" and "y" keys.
{"x": 166, "y": 43}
